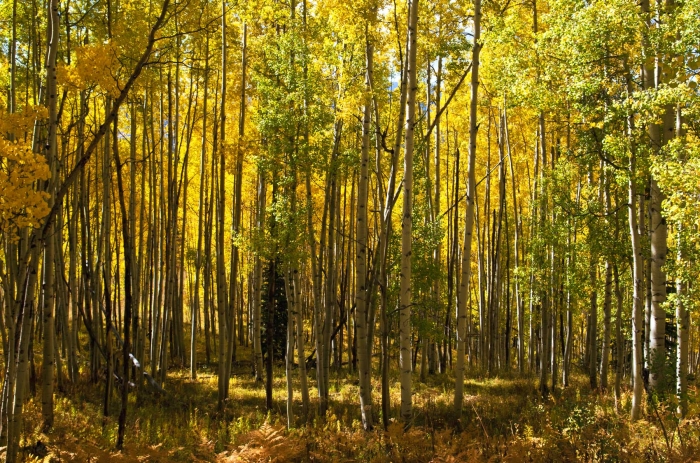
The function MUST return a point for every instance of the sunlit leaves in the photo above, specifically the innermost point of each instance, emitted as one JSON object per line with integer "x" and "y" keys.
{"x": 22, "y": 204}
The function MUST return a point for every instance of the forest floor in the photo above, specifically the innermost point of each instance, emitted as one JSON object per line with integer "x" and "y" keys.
{"x": 504, "y": 419}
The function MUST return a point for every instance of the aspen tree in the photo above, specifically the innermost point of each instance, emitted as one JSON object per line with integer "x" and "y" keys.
{"x": 607, "y": 301}
{"x": 464, "y": 284}
{"x": 257, "y": 292}
{"x": 637, "y": 273}
{"x": 682, "y": 311}
{"x": 406, "y": 225}
{"x": 221, "y": 296}
{"x": 361, "y": 292}
{"x": 49, "y": 245}
{"x": 237, "y": 204}
{"x": 200, "y": 223}
{"x": 519, "y": 301}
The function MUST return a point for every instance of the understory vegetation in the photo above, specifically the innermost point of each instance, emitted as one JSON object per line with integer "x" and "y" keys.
{"x": 504, "y": 419}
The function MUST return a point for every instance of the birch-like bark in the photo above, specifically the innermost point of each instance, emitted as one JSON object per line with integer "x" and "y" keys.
{"x": 407, "y": 221}
{"x": 221, "y": 299}
{"x": 257, "y": 293}
{"x": 637, "y": 275}
{"x": 50, "y": 242}
{"x": 237, "y": 202}
{"x": 469, "y": 219}
{"x": 682, "y": 312}
{"x": 200, "y": 224}
{"x": 361, "y": 292}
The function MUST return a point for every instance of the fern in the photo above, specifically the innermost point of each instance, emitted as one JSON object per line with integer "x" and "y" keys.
{"x": 267, "y": 444}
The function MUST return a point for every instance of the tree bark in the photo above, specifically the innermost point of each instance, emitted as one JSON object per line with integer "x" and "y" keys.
{"x": 407, "y": 221}
{"x": 469, "y": 219}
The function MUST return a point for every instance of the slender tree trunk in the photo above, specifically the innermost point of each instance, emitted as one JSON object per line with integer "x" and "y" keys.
{"x": 200, "y": 222}
{"x": 682, "y": 312}
{"x": 257, "y": 305}
{"x": 469, "y": 219}
{"x": 289, "y": 348}
{"x": 407, "y": 221}
{"x": 238, "y": 204}
{"x": 301, "y": 355}
{"x": 619, "y": 342}
{"x": 637, "y": 276}
{"x": 128, "y": 302}
{"x": 222, "y": 300}
{"x": 49, "y": 264}
{"x": 361, "y": 292}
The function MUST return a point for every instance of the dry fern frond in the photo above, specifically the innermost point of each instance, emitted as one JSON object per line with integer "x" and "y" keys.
{"x": 266, "y": 444}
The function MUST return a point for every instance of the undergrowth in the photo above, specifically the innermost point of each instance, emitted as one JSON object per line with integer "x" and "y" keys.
{"x": 504, "y": 419}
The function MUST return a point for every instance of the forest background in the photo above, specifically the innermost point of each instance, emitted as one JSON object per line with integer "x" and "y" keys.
{"x": 372, "y": 230}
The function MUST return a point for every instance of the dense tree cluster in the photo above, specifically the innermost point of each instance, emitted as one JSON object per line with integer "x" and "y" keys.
{"x": 436, "y": 186}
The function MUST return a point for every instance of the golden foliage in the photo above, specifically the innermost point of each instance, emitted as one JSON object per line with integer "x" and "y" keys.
{"x": 21, "y": 205}
{"x": 95, "y": 64}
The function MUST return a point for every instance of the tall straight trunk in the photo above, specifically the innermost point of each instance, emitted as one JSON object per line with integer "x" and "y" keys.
{"x": 571, "y": 263}
{"x": 407, "y": 221}
{"x": 200, "y": 222}
{"x": 384, "y": 242}
{"x": 644, "y": 235}
{"x": 682, "y": 326}
{"x": 330, "y": 286}
{"x": 269, "y": 329}
{"x": 289, "y": 348}
{"x": 237, "y": 204}
{"x": 105, "y": 270}
{"x": 607, "y": 307}
{"x": 682, "y": 312}
{"x": 619, "y": 342}
{"x": 637, "y": 317}
{"x": 271, "y": 303}
{"x": 301, "y": 355}
{"x": 637, "y": 275}
{"x": 135, "y": 268}
{"x": 221, "y": 299}
{"x": 452, "y": 270}
{"x": 547, "y": 304}
{"x": 657, "y": 321}
{"x": 361, "y": 292}
{"x": 469, "y": 219}
{"x": 657, "y": 223}
{"x": 436, "y": 210}
{"x": 593, "y": 325}
{"x": 128, "y": 302}
{"x": 16, "y": 396}
{"x": 519, "y": 302}
{"x": 257, "y": 293}
{"x": 47, "y": 375}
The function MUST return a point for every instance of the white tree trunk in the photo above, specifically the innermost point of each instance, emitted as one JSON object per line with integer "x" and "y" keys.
{"x": 469, "y": 224}
{"x": 405, "y": 299}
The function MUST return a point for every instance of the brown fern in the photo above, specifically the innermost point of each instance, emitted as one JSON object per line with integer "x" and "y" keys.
{"x": 267, "y": 444}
